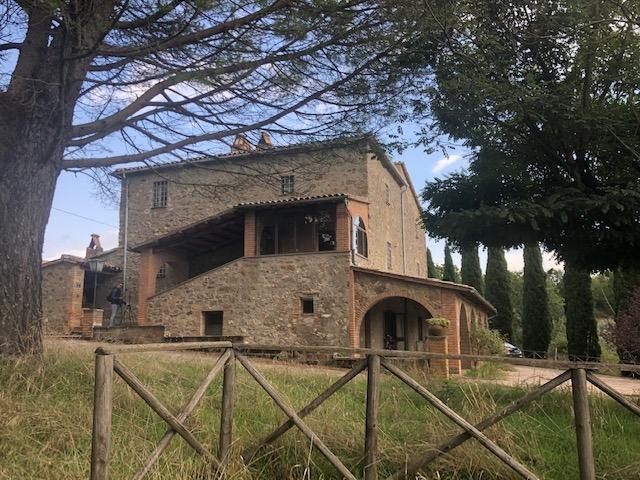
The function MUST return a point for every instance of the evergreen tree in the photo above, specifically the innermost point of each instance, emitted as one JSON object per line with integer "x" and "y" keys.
{"x": 626, "y": 284}
{"x": 498, "y": 292}
{"x": 582, "y": 330}
{"x": 625, "y": 281}
{"x": 449, "y": 273}
{"x": 536, "y": 318}
{"x": 470, "y": 270}
{"x": 432, "y": 272}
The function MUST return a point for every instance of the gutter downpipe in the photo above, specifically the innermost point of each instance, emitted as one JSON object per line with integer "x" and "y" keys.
{"x": 126, "y": 234}
{"x": 403, "y": 189}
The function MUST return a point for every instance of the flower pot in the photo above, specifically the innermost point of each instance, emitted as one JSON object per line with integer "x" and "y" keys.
{"x": 436, "y": 330}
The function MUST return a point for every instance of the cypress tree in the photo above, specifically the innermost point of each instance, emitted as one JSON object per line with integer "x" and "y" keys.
{"x": 498, "y": 292}
{"x": 431, "y": 267}
{"x": 470, "y": 267}
{"x": 449, "y": 273}
{"x": 536, "y": 318}
{"x": 582, "y": 330}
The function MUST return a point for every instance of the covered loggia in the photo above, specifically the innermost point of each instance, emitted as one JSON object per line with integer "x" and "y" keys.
{"x": 395, "y": 323}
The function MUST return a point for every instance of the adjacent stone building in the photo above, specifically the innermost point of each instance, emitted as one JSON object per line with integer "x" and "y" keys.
{"x": 306, "y": 244}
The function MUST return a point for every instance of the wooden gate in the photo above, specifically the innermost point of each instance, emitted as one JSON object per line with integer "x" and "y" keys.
{"x": 107, "y": 361}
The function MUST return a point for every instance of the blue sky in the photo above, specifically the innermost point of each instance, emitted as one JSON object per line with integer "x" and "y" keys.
{"x": 77, "y": 194}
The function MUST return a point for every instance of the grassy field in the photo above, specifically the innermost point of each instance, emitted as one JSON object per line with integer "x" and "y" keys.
{"x": 45, "y": 423}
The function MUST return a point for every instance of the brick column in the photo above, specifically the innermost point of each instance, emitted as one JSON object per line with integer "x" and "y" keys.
{"x": 250, "y": 234}
{"x": 146, "y": 282}
{"x": 450, "y": 311}
{"x": 343, "y": 228}
{"x": 90, "y": 317}
{"x": 440, "y": 367}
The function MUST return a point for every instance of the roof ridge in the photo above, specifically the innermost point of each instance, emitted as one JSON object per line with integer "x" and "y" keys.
{"x": 275, "y": 149}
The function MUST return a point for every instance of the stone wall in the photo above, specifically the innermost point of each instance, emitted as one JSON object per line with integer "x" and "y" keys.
{"x": 62, "y": 284}
{"x": 203, "y": 190}
{"x": 260, "y": 298}
{"x": 386, "y": 223}
{"x": 414, "y": 234}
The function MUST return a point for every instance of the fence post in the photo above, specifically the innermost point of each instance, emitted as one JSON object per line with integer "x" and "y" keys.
{"x": 371, "y": 427}
{"x": 583, "y": 424}
{"x": 101, "y": 435}
{"x": 226, "y": 415}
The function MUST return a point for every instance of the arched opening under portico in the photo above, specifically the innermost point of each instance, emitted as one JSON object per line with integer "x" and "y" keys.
{"x": 465, "y": 335}
{"x": 395, "y": 323}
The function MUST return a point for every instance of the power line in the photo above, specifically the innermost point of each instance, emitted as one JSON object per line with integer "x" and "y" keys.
{"x": 85, "y": 218}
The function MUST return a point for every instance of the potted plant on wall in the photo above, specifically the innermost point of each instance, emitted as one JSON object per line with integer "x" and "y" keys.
{"x": 437, "y": 326}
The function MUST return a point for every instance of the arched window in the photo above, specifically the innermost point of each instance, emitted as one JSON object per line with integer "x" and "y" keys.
{"x": 360, "y": 237}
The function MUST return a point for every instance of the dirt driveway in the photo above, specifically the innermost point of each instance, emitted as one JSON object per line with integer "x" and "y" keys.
{"x": 535, "y": 376}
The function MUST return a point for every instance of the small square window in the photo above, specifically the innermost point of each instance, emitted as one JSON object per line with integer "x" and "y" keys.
{"x": 287, "y": 184}
{"x": 212, "y": 323}
{"x": 160, "y": 194}
{"x": 307, "y": 305}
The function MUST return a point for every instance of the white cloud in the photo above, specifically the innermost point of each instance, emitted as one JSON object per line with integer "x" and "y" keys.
{"x": 444, "y": 162}
{"x": 515, "y": 260}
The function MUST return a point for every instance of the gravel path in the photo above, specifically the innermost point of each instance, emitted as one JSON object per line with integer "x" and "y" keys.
{"x": 536, "y": 376}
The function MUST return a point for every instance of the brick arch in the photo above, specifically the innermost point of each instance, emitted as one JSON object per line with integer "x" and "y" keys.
{"x": 391, "y": 294}
{"x": 466, "y": 316}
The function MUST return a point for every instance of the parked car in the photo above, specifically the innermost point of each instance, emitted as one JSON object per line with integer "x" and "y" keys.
{"x": 512, "y": 351}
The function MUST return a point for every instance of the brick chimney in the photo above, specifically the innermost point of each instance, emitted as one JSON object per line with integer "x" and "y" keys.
{"x": 265, "y": 141}
{"x": 94, "y": 247}
{"x": 241, "y": 144}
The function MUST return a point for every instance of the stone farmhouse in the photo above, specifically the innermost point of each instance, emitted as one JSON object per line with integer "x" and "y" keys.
{"x": 316, "y": 244}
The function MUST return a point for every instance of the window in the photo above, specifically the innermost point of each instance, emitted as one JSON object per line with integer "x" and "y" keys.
{"x": 296, "y": 230}
{"x": 287, "y": 184}
{"x": 160, "y": 194}
{"x": 387, "y": 194}
{"x": 418, "y": 267}
{"x": 307, "y": 305}
{"x": 360, "y": 237}
{"x": 389, "y": 262}
{"x": 162, "y": 272}
{"x": 212, "y": 323}
{"x": 418, "y": 229}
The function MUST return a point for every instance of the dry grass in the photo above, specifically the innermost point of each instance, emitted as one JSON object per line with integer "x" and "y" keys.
{"x": 45, "y": 423}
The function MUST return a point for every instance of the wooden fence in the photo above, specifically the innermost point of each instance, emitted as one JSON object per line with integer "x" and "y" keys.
{"x": 107, "y": 361}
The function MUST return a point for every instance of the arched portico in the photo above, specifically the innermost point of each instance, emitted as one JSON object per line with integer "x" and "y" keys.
{"x": 465, "y": 334}
{"x": 394, "y": 323}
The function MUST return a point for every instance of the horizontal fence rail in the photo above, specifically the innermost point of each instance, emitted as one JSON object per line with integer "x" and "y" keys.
{"x": 372, "y": 361}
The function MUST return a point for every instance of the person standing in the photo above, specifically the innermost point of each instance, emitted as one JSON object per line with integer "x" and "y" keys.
{"x": 116, "y": 301}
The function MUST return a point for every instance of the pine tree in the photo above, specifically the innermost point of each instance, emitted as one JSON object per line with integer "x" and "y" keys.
{"x": 536, "y": 318}
{"x": 449, "y": 273}
{"x": 470, "y": 270}
{"x": 498, "y": 292}
{"x": 582, "y": 330}
{"x": 431, "y": 267}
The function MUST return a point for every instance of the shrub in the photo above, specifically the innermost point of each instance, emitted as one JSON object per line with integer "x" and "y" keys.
{"x": 438, "y": 322}
{"x": 485, "y": 341}
{"x": 625, "y": 332}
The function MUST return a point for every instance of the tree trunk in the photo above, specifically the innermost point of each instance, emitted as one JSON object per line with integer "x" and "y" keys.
{"x": 28, "y": 174}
